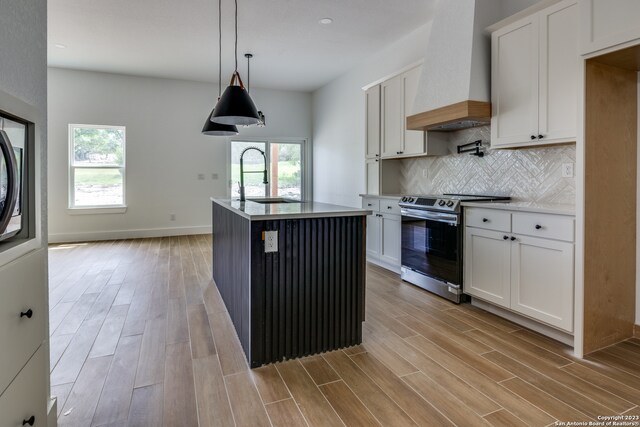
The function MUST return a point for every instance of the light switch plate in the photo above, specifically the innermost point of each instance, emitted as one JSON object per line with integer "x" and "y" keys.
{"x": 271, "y": 241}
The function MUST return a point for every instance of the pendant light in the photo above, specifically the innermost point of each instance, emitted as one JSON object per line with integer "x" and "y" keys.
{"x": 261, "y": 117}
{"x": 212, "y": 128}
{"x": 235, "y": 106}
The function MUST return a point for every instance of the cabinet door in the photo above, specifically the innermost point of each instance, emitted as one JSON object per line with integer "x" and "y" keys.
{"x": 542, "y": 280}
{"x": 559, "y": 69}
{"x": 414, "y": 140}
{"x": 372, "y": 167}
{"x": 606, "y": 23}
{"x": 487, "y": 266}
{"x": 392, "y": 127}
{"x": 514, "y": 83}
{"x": 390, "y": 238}
{"x": 373, "y": 122}
{"x": 26, "y": 397}
{"x": 373, "y": 235}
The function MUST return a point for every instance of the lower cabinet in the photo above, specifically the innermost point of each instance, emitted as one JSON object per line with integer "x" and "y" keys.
{"x": 487, "y": 266}
{"x": 530, "y": 275}
{"x": 383, "y": 232}
{"x": 25, "y": 401}
{"x": 542, "y": 280}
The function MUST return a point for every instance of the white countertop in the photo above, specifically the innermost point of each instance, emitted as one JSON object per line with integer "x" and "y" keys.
{"x": 382, "y": 196}
{"x": 550, "y": 208}
{"x": 260, "y": 211}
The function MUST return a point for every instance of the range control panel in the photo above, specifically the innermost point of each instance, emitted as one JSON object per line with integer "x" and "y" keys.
{"x": 430, "y": 203}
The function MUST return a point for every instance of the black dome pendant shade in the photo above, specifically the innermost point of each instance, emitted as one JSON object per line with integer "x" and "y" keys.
{"x": 235, "y": 107}
{"x": 217, "y": 129}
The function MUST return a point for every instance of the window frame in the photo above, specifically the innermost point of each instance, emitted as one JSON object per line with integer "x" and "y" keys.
{"x": 96, "y": 209}
{"x": 307, "y": 161}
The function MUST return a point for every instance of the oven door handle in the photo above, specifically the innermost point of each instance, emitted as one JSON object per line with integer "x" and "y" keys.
{"x": 12, "y": 181}
{"x": 451, "y": 219}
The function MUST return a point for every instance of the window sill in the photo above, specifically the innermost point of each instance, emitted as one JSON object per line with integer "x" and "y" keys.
{"x": 97, "y": 210}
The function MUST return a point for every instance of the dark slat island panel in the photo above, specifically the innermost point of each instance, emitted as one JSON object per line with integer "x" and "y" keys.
{"x": 304, "y": 299}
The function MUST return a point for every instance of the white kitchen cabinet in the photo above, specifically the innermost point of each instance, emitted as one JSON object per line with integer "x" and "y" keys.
{"x": 383, "y": 232}
{"x": 391, "y": 113}
{"x": 414, "y": 140}
{"x": 397, "y": 96}
{"x": 372, "y": 96}
{"x": 527, "y": 268}
{"x": 374, "y": 222}
{"x": 534, "y": 67}
{"x": 542, "y": 280}
{"x": 372, "y": 170}
{"x": 390, "y": 229}
{"x": 606, "y": 23}
{"x": 487, "y": 266}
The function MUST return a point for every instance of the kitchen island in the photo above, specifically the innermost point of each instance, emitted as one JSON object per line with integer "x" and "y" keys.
{"x": 291, "y": 274}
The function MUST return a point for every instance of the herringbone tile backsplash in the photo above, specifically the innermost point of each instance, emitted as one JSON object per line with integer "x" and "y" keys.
{"x": 532, "y": 174}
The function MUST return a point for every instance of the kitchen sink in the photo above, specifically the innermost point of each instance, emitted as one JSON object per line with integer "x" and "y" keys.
{"x": 272, "y": 200}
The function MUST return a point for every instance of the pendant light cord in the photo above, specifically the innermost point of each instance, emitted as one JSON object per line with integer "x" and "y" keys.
{"x": 236, "y": 45}
{"x": 219, "y": 48}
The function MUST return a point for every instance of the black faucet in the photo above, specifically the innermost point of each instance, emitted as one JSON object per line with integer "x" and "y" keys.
{"x": 242, "y": 172}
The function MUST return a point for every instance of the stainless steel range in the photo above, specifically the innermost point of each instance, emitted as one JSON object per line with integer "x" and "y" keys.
{"x": 432, "y": 236}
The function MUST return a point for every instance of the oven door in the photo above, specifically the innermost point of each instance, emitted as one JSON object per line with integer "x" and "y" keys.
{"x": 9, "y": 185}
{"x": 432, "y": 244}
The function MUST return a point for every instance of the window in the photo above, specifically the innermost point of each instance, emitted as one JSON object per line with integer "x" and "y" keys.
{"x": 96, "y": 166}
{"x": 285, "y": 166}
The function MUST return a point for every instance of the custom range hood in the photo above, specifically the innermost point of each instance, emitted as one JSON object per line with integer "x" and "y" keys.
{"x": 453, "y": 92}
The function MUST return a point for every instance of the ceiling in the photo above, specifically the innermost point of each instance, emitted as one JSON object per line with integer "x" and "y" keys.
{"x": 178, "y": 39}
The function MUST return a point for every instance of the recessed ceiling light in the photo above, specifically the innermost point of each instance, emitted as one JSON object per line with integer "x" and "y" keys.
{"x": 326, "y": 21}
{"x": 61, "y": 46}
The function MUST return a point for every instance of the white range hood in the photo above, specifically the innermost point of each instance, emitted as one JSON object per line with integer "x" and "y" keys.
{"x": 454, "y": 89}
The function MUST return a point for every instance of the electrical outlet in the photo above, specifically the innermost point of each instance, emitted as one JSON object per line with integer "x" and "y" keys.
{"x": 201, "y": 177}
{"x": 567, "y": 170}
{"x": 271, "y": 241}
{"x": 425, "y": 173}
{"x": 172, "y": 217}
{"x": 214, "y": 176}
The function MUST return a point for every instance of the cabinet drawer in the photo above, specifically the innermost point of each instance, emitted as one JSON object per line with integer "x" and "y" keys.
{"x": 390, "y": 206}
{"x": 371, "y": 204}
{"x": 23, "y": 288}
{"x": 26, "y": 397}
{"x": 546, "y": 226}
{"x": 489, "y": 219}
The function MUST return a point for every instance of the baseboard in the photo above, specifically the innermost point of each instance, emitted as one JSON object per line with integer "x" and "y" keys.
{"x": 385, "y": 265}
{"x": 127, "y": 234}
{"x": 541, "y": 328}
{"x": 636, "y": 331}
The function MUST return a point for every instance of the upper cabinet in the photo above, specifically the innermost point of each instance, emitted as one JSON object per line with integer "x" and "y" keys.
{"x": 396, "y": 102}
{"x": 606, "y": 24}
{"x": 373, "y": 122}
{"x": 534, "y": 69}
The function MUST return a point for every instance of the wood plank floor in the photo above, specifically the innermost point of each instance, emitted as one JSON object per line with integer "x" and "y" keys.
{"x": 140, "y": 337}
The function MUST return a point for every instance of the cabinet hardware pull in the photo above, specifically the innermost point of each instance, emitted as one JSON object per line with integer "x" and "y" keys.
{"x": 27, "y": 313}
{"x": 533, "y": 137}
{"x": 485, "y": 220}
{"x": 376, "y": 160}
{"x": 377, "y": 155}
{"x": 398, "y": 152}
{"x": 389, "y": 207}
{"x": 505, "y": 237}
{"x": 513, "y": 238}
{"x": 369, "y": 204}
{"x": 538, "y": 226}
{"x": 540, "y": 136}
{"x": 29, "y": 421}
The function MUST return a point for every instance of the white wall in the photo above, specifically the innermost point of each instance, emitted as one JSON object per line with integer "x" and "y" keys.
{"x": 339, "y": 117}
{"x": 165, "y": 149}
{"x": 23, "y": 65}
